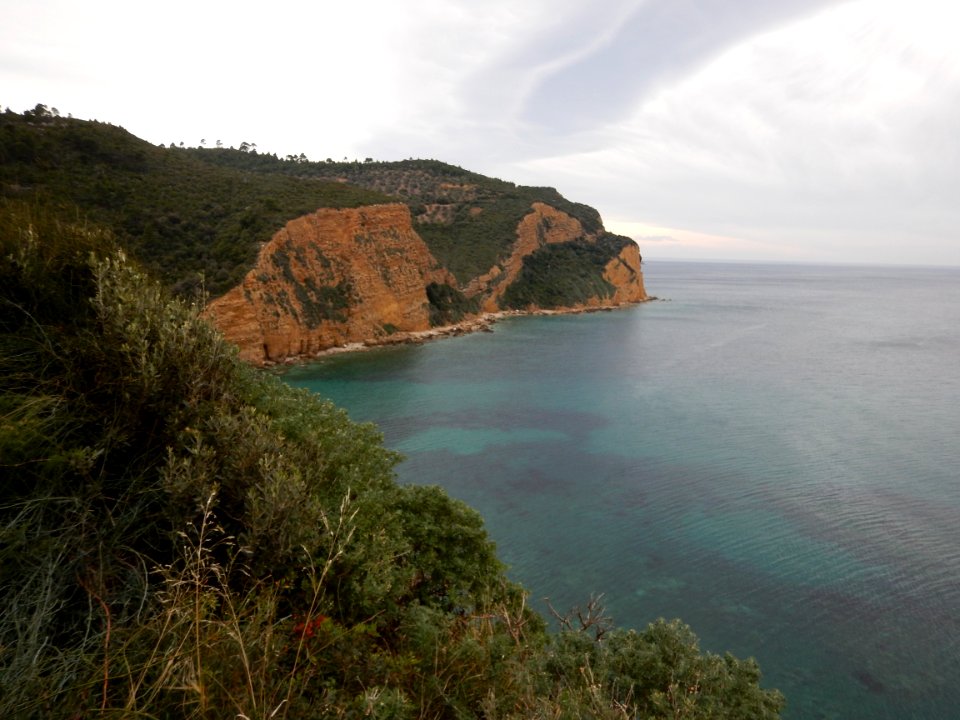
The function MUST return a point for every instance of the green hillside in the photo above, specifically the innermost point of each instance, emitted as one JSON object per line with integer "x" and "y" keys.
{"x": 177, "y": 216}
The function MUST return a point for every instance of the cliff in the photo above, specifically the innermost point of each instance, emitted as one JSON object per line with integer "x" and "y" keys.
{"x": 624, "y": 273}
{"x": 328, "y": 279}
{"x": 545, "y": 225}
{"x": 337, "y": 277}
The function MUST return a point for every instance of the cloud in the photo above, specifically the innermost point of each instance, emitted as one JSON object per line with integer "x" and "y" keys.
{"x": 657, "y": 43}
{"x": 832, "y": 133}
{"x": 522, "y": 84}
{"x": 657, "y": 239}
{"x": 659, "y": 243}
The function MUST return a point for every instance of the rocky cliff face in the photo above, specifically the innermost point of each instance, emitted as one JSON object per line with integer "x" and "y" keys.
{"x": 545, "y": 225}
{"x": 328, "y": 279}
{"x": 624, "y": 273}
{"x": 542, "y": 226}
{"x": 337, "y": 277}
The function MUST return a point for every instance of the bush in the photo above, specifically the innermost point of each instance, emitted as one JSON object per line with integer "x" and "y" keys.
{"x": 448, "y": 305}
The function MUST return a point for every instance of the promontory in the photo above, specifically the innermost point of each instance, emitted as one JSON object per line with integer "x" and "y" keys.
{"x": 295, "y": 257}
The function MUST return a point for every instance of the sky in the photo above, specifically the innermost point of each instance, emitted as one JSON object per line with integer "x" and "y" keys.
{"x": 742, "y": 130}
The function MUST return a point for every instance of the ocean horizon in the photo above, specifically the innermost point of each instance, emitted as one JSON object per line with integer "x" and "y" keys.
{"x": 768, "y": 452}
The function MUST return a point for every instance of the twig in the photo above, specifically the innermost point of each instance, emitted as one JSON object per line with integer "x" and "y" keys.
{"x": 106, "y": 641}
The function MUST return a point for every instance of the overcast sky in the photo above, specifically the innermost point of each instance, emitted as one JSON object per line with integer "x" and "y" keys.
{"x": 794, "y": 130}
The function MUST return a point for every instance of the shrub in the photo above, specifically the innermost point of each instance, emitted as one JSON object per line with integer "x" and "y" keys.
{"x": 448, "y": 305}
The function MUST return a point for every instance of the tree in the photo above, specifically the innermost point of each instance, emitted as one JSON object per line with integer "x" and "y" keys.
{"x": 39, "y": 112}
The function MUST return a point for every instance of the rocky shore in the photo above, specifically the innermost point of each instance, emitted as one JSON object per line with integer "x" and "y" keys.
{"x": 481, "y": 323}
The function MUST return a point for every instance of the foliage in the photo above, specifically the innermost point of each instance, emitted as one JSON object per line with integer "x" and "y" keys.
{"x": 180, "y": 217}
{"x": 183, "y": 537}
{"x": 448, "y": 305}
{"x": 562, "y": 275}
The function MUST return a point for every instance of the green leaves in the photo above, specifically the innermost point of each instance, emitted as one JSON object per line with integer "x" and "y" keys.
{"x": 448, "y": 305}
{"x": 660, "y": 672}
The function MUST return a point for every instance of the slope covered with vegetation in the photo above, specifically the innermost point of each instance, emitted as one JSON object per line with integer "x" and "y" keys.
{"x": 184, "y": 537}
{"x": 185, "y": 211}
{"x": 468, "y": 220}
{"x": 175, "y": 215}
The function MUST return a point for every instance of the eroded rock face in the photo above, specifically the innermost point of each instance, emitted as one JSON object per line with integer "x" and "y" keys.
{"x": 337, "y": 277}
{"x": 624, "y": 273}
{"x": 542, "y": 225}
{"x": 331, "y": 278}
{"x": 545, "y": 225}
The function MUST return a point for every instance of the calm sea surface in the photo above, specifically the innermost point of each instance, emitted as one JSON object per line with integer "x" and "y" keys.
{"x": 771, "y": 454}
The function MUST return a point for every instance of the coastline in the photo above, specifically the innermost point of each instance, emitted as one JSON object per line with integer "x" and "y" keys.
{"x": 480, "y": 323}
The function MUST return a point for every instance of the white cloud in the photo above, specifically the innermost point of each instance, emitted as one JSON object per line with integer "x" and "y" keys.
{"x": 836, "y": 129}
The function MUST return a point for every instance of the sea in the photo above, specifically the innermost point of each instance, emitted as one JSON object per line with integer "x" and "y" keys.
{"x": 770, "y": 453}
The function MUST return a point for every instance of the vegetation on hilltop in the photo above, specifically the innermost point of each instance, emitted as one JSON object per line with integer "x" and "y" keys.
{"x": 468, "y": 221}
{"x": 183, "y": 537}
{"x": 177, "y": 216}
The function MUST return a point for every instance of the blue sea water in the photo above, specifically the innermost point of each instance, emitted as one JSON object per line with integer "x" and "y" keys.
{"x": 771, "y": 453}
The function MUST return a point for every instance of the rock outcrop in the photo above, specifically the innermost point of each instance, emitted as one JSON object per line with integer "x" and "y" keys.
{"x": 545, "y": 225}
{"x": 624, "y": 273}
{"x": 342, "y": 277}
{"x": 328, "y": 279}
{"x": 542, "y": 226}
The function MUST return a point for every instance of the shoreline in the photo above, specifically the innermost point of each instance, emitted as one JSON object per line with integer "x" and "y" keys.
{"x": 481, "y": 323}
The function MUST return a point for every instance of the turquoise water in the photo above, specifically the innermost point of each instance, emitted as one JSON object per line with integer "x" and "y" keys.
{"x": 772, "y": 454}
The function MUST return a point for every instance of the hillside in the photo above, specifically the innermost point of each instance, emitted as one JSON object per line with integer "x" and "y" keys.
{"x": 476, "y": 244}
{"x": 177, "y": 216}
{"x": 467, "y": 220}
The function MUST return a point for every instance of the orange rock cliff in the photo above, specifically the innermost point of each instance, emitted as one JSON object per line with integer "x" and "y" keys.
{"x": 545, "y": 225}
{"x": 337, "y": 277}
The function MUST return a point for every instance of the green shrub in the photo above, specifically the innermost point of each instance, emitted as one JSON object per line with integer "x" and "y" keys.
{"x": 167, "y": 511}
{"x": 448, "y": 305}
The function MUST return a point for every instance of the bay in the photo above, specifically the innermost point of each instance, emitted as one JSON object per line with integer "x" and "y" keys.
{"x": 770, "y": 452}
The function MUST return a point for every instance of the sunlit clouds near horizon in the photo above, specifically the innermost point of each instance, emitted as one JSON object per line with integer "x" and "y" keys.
{"x": 796, "y": 130}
